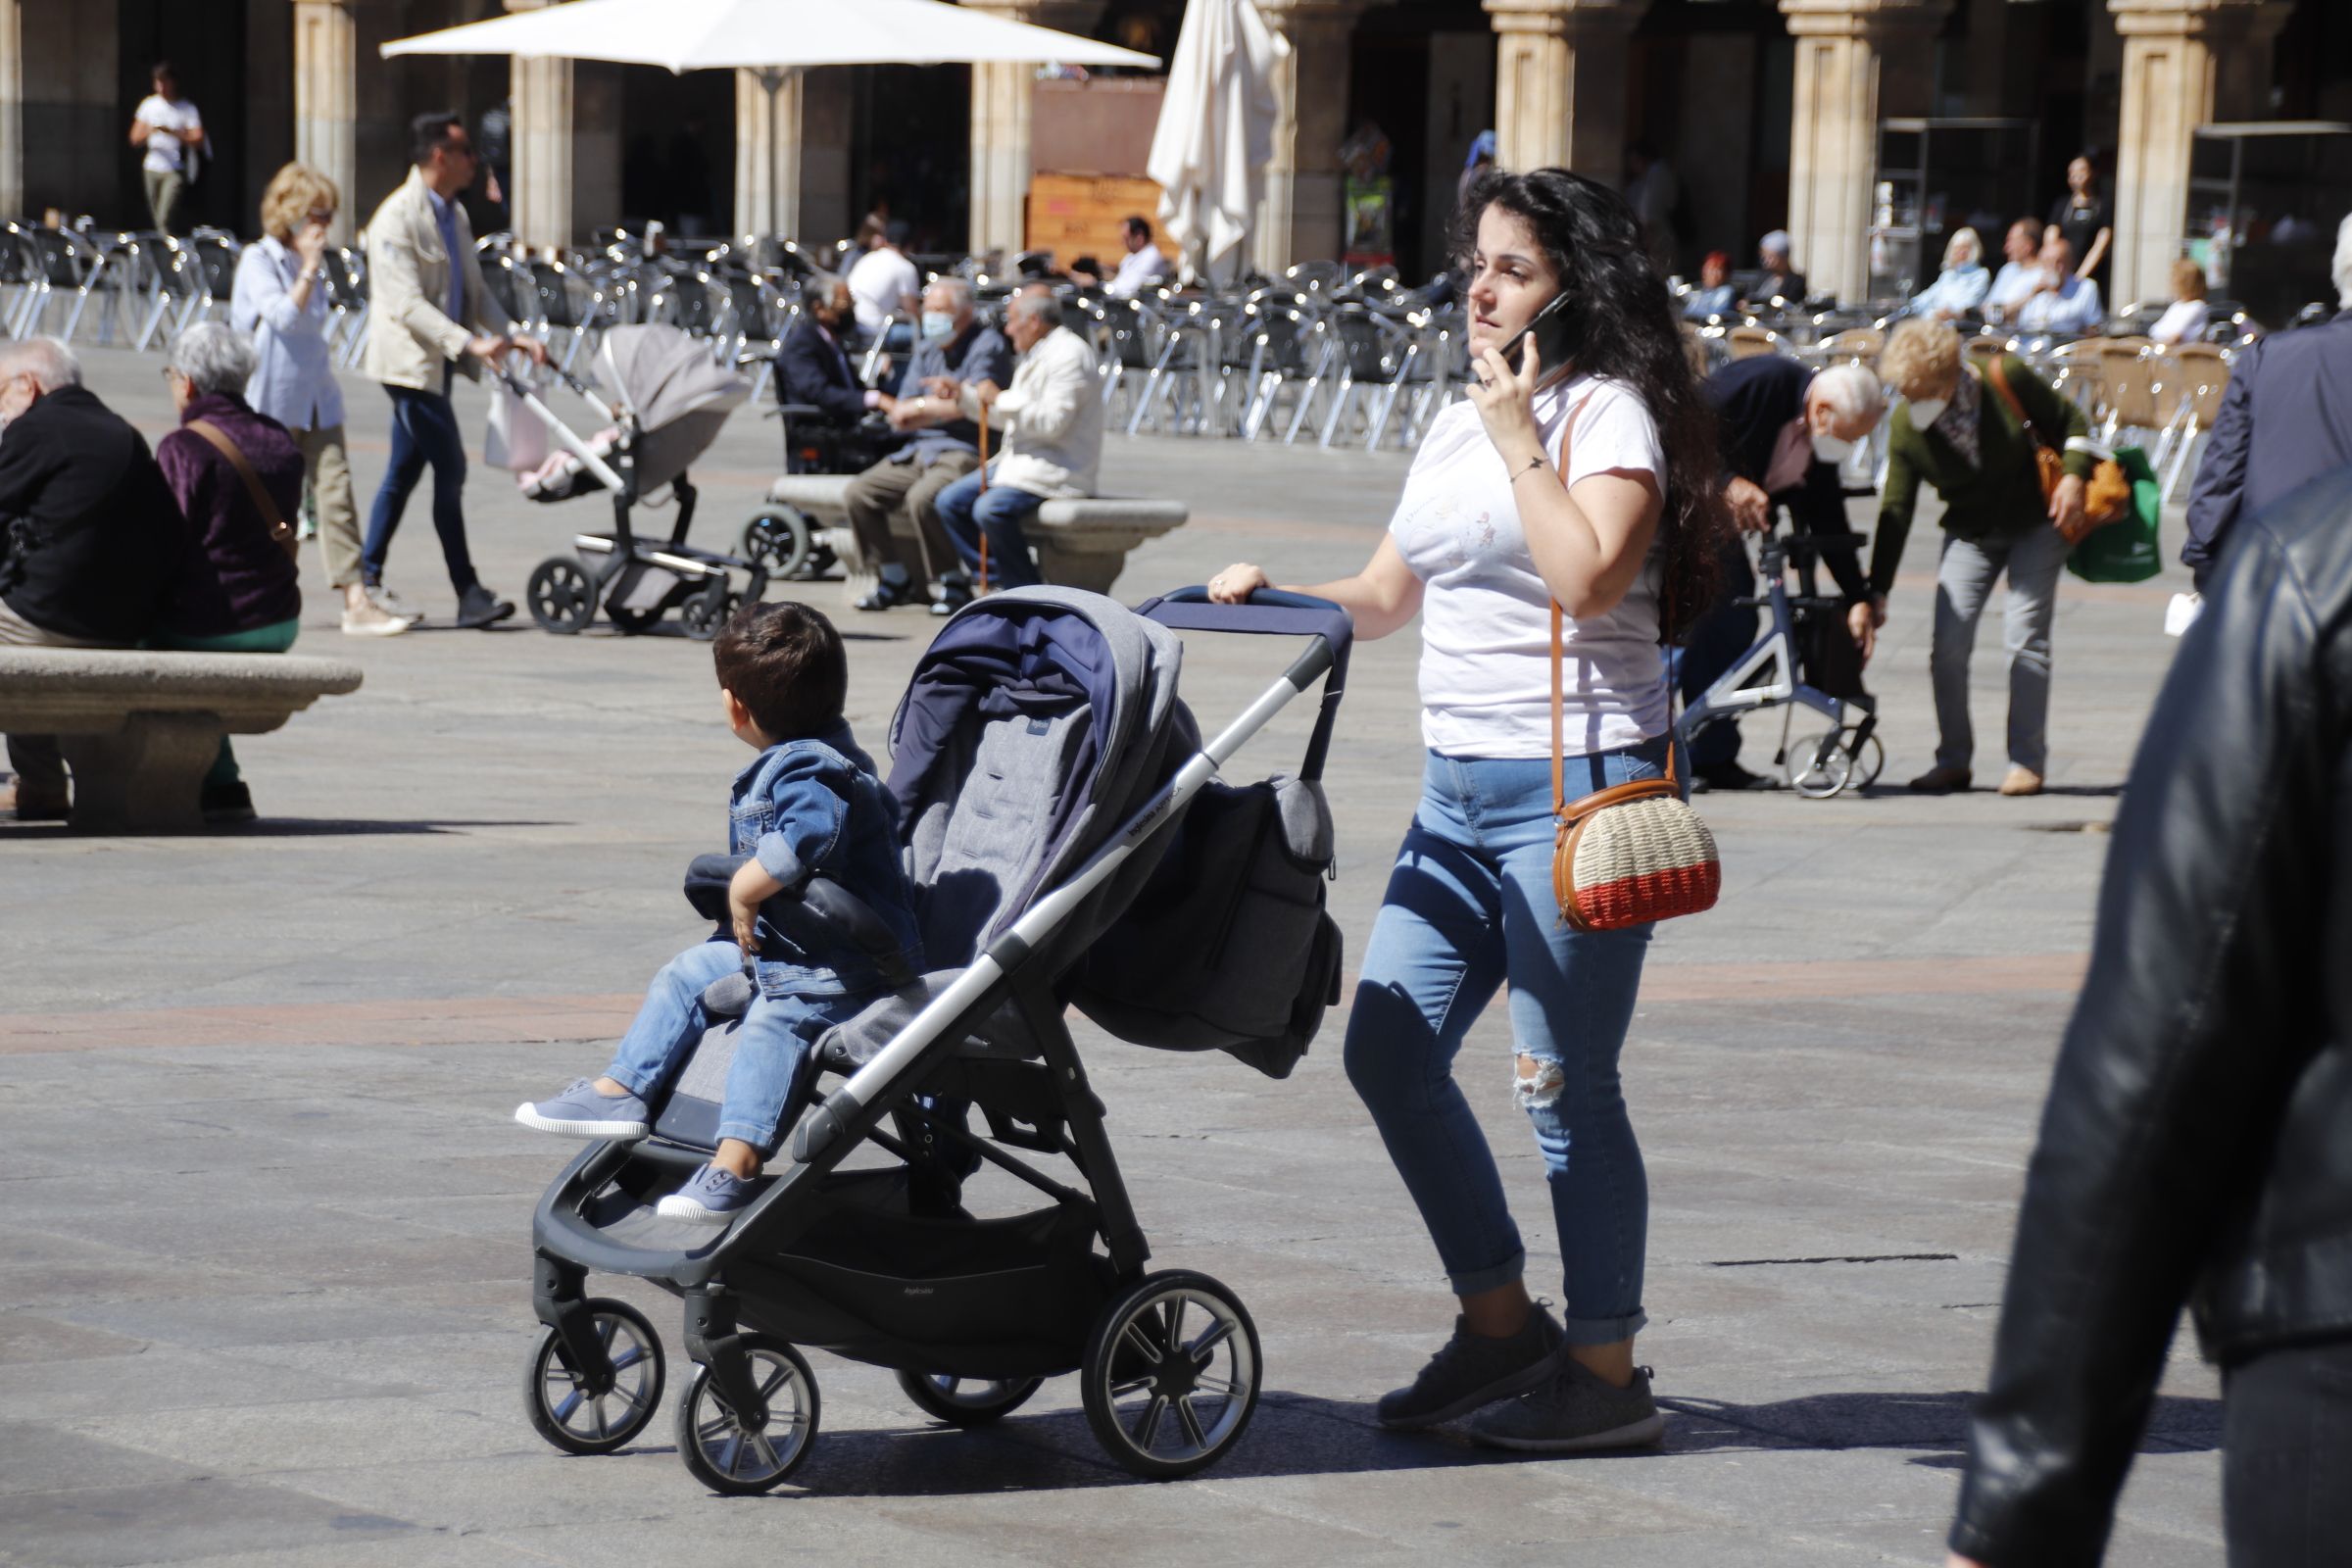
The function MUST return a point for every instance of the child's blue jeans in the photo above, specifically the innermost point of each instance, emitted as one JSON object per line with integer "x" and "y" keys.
{"x": 777, "y": 1034}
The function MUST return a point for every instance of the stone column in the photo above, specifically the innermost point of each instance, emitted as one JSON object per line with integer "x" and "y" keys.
{"x": 808, "y": 144}
{"x": 1560, "y": 68}
{"x": 539, "y": 143}
{"x": 2187, "y": 63}
{"x": 1000, "y": 122}
{"x": 1857, "y": 62}
{"x": 11, "y": 107}
{"x": 1299, "y": 218}
{"x": 326, "y": 107}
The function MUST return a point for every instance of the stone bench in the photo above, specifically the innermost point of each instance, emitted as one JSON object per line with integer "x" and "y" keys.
{"x": 140, "y": 730}
{"x": 1079, "y": 544}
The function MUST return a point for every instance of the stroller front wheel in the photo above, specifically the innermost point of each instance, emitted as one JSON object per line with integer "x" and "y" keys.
{"x": 706, "y": 614}
{"x": 966, "y": 1402}
{"x": 728, "y": 1456}
{"x": 562, "y": 598}
{"x": 569, "y": 1410}
{"x": 1171, "y": 1375}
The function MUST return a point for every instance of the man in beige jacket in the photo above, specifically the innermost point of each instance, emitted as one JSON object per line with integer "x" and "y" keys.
{"x": 429, "y": 319}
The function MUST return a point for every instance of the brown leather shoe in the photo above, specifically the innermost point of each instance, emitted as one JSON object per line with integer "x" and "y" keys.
{"x": 2021, "y": 781}
{"x": 26, "y": 806}
{"x": 1941, "y": 780}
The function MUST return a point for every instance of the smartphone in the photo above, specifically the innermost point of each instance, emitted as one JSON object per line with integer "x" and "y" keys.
{"x": 1552, "y": 331}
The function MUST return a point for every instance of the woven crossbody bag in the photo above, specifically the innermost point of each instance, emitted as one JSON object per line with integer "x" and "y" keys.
{"x": 1632, "y": 853}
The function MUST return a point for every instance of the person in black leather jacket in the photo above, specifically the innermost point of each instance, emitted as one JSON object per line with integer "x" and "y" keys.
{"x": 2197, "y": 1144}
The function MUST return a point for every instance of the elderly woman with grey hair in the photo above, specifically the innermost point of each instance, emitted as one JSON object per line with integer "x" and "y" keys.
{"x": 237, "y": 476}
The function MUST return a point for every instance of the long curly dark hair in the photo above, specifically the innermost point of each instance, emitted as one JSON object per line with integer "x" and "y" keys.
{"x": 1620, "y": 324}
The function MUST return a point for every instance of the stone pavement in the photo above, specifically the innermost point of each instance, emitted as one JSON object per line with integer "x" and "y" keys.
{"x": 263, "y": 1225}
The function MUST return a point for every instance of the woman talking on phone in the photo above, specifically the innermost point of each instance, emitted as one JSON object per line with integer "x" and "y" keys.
{"x": 1581, "y": 470}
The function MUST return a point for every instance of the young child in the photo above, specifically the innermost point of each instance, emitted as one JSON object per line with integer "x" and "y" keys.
{"x": 810, "y": 804}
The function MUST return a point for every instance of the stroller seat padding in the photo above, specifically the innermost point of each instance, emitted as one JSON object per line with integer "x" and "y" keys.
{"x": 847, "y": 1046}
{"x": 998, "y": 835}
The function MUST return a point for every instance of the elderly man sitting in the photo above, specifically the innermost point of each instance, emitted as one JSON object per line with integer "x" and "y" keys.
{"x": 1052, "y": 418}
{"x": 894, "y": 506}
{"x": 2061, "y": 302}
{"x": 94, "y": 540}
{"x": 1786, "y": 431}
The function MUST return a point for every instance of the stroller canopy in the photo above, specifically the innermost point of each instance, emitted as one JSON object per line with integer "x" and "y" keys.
{"x": 679, "y": 397}
{"x": 1039, "y": 718}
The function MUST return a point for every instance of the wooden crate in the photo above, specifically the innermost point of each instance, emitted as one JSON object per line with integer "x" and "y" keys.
{"x": 1079, "y": 215}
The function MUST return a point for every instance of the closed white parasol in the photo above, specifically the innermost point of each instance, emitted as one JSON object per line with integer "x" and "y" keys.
{"x": 1217, "y": 129}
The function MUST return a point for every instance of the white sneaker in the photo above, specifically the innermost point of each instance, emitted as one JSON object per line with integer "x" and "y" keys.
{"x": 372, "y": 619}
{"x": 391, "y": 604}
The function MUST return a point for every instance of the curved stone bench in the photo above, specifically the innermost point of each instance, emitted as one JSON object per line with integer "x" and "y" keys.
{"x": 140, "y": 730}
{"x": 1079, "y": 543}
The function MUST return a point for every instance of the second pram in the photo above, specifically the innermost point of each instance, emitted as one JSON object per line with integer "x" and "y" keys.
{"x": 669, "y": 401}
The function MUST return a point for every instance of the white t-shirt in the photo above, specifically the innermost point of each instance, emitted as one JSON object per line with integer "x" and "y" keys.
{"x": 2183, "y": 322}
{"x": 1137, "y": 271}
{"x": 165, "y": 154}
{"x": 1486, "y": 615}
{"x": 878, "y": 284}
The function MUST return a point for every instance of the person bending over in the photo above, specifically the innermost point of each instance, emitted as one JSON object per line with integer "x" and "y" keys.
{"x": 810, "y": 804}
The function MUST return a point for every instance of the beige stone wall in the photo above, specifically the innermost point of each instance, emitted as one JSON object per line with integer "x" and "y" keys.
{"x": 1560, "y": 69}
{"x": 1299, "y": 217}
{"x": 806, "y": 145}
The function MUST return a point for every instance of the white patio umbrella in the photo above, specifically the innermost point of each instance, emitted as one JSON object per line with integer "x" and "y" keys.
{"x": 1217, "y": 128}
{"x": 768, "y": 37}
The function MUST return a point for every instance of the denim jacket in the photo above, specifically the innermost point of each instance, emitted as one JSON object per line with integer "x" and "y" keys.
{"x": 816, "y": 806}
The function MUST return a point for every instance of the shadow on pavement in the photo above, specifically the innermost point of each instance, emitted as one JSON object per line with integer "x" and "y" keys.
{"x": 1929, "y": 1421}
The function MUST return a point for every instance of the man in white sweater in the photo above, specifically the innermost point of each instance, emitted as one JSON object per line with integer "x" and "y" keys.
{"x": 1050, "y": 420}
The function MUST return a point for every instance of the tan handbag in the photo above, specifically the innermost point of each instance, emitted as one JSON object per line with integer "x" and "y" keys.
{"x": 1632, "y": 853}
{"x": 2108, "y": 497}
{"x": 281, "y": 532}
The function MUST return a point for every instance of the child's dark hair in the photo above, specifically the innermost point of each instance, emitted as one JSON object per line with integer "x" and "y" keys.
{"x": 785, "y": 663}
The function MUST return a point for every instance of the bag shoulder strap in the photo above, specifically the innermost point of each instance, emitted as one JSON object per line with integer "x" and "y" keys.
{"x": 220, "y": 443}
{"x": 2000, "y": 384}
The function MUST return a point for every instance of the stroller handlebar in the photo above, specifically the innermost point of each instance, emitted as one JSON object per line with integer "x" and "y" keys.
{"x": 1270, "y": 611}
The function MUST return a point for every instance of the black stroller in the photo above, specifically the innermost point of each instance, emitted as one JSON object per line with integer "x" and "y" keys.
{"x": 669, "y": 403}
{"x": 1804, "y": 659}
{"x": 1069, "y": 847}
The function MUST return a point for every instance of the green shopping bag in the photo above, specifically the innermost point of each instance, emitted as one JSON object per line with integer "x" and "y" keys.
{"x": 2126, "y": 550}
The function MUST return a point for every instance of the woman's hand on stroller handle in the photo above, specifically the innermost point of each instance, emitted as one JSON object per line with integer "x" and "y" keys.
{"x": 1236, "y": 582}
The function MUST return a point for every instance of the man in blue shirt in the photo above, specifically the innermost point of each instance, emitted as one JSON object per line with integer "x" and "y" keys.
{"x": 2060, "y": 304}
{"x": 953, "y": 350}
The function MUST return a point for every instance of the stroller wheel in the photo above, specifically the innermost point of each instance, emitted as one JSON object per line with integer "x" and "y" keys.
{"x": 562, "y": 598}
{"x": 704, "y": 614}
{"x": 723, "y": 1454}
{"x": 1171, "y": 1374}
{"x": 967, "y": 1401}
{"x": 567, "y": 1412}
{"x": 780, "y": 541}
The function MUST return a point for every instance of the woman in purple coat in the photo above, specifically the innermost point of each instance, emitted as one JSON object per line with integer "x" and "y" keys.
{"x": 236, "y": 591}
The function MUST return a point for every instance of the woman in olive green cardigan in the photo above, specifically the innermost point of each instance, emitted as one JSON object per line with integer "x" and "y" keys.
{"x": 1955, "y": 431}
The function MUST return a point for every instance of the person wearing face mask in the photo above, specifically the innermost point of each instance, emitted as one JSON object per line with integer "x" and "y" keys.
{"x": 1786, "y": 431}
{"x": 91, "y": 537}
{"x": 894, "y": 506}
{"x": 1956, "y": 432}
{"x": 812, "y": 363}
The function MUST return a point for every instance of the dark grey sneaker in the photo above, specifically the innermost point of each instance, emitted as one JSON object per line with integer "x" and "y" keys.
{"x": 580, "y": 1111}
{"x": 1572, "y": 1411}
{"x": 1471, "y": 1370}
{"x": 710, "y": 1196}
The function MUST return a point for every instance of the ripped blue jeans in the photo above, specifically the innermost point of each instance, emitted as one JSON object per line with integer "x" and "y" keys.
{"x": 1469, "y": 908}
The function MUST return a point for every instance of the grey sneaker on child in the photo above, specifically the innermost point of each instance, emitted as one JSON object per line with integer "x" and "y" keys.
{"x": 710, "y": 1196}
{"x": 1573, "y": 1410}
{"x": 1471, "y": 1370}
{"x": 581, "y": 1112}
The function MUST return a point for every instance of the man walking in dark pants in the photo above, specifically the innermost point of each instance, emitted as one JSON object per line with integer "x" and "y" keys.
{"x": 430, "y": 319}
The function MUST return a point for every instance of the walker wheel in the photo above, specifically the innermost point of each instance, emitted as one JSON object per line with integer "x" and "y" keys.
{"x": 562, "y": 598}
{"x": 967, "y": 1401}
{"x": 1829, "y": 763}
{"x": 780, "y": 540}
{"x": 1171, "y": 1375}
{"x": 726, "y": 1455}
{"x": 567, "y": 1413}
{"x": 705, "y": 612}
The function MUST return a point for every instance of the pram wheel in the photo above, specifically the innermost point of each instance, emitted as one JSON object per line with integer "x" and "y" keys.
{"x": 562, "y": 1407}
{"x": 1829, "y": 763}
{"x": 967, "y": 1401}
{"x": 705, "y": 614}
{"x": 725, "y": 1455}
{"x": 562, "y": 598}
{"x": 1171, "y": 1375}
{"x": 782, "y": 542}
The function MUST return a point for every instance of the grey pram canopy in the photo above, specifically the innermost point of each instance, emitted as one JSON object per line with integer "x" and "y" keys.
{"x": 679, "y": 398}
